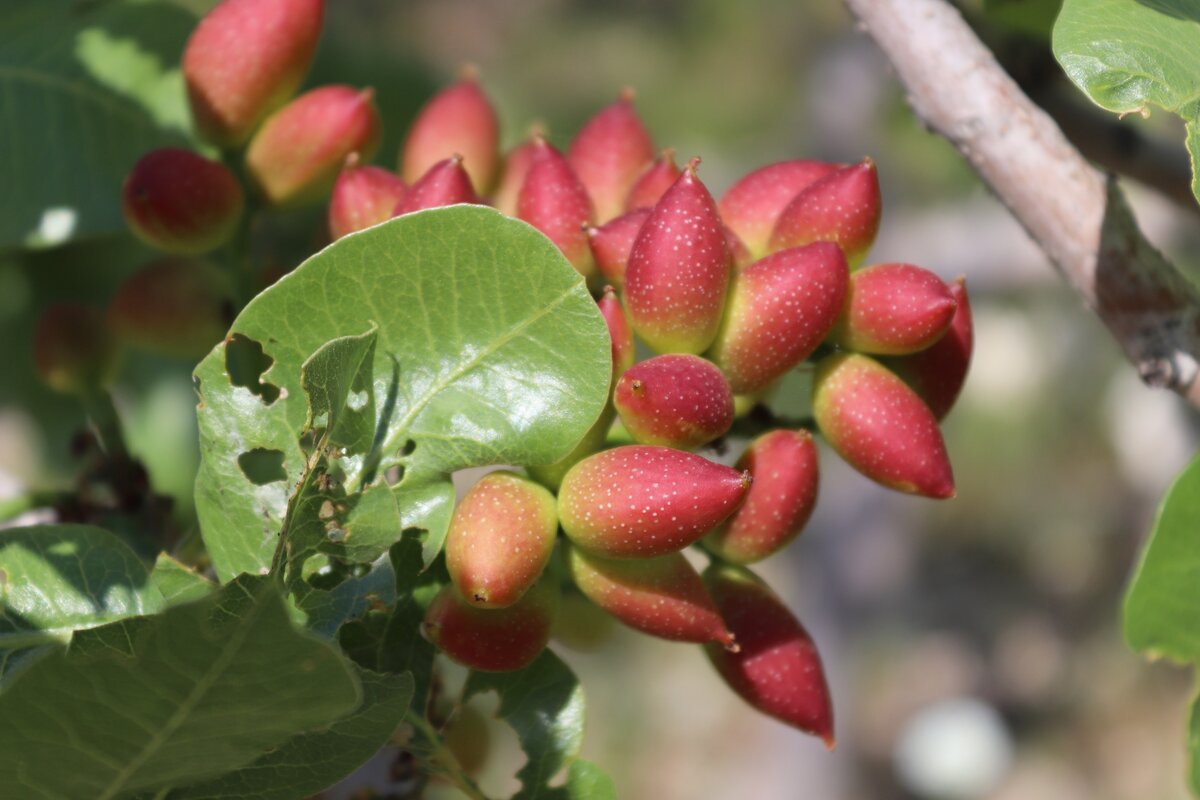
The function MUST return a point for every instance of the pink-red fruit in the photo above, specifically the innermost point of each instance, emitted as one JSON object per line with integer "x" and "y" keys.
{"x": 880, "y": 426}
{"x": 937, "y": 373}
{"x": 677, "y": 400}
{"x": 492, "y": 639}
{"x": 244, "y": 60}
{"x": 893, "y": 309}
{"x": 661, "y": 596}
{"x": 608, "y": 154}
{"x": 363, "y": 196}
{"x": 780, "y": 308}
{"x": 457, "y": 120}
{"x": 783, "y": 464}
{"x": 501, "y": 537}
{"x": 679, "y": 268}
{"x": 843, "y": 207}
{"x": 176, "y": 307}
{"x": 612, "y": 242}
{"x": 446, "y": 184}
{"x": 752, "y": 206}
{"x": 776, "y": 668}
{"x": 512, "y": 177}
{"x": 640, "y": 501}
{"x": 554, "y": 201}
{"x": 73, "y": 349}
{"x": 652, "y": 184}
{"x": 299, "y": 150}
{"x": 619, "y": 332}
{"x": 181, "y": 202}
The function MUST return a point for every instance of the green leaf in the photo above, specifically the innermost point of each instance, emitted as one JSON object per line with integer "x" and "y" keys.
{"x": 586, "y": 781}
{"x": 55, "y": 579}
{"x": 210, "y": 687}
{"x": 1163, "y": 600}
{"x": 1128, "y": 55}
{"x": 489, "y": 350}
{"x": 543, "y": 703}
{"x": 326, "y": 609}
{"x": 332, "y": 376}
{"x": 311, "y": 762}
{"x": 177, "y": 582}
{"x": 1162, "y": 603}
{"x": 85, "y": 90}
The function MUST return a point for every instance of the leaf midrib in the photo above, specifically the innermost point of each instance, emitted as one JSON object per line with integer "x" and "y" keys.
{"x": 189, "y": 704}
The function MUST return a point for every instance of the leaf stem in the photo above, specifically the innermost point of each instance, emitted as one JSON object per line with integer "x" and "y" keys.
{"x": 445, "y": 760}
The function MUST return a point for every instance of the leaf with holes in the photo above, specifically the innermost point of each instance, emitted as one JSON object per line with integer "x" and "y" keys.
{"x": 1127, "y": 56}
{"x": 55, "y": 579}
{"x": 169, "y": 700}
{"x": 543, "y": 703}
{"x": 489, "y": 350}
{"x": 85, "y": 90}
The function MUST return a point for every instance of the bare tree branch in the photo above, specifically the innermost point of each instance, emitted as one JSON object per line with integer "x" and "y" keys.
{"x": 1076, "y": 214}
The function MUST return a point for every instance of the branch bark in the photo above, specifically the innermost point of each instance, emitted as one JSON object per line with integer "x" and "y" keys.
{"x": 1076, "y": 214}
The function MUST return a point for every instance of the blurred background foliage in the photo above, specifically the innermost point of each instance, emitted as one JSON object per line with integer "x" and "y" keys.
{"x": 972, "y": 646}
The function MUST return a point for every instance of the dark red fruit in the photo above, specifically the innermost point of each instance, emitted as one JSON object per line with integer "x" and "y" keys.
{"x": 752, "y": 206}
{"x": 363, "y": 196}
{"x": 776, "y": 668}
{"x": 492, "y": 639}
{"x": 181, "y": 202}
{"x": 843, "y": 207}
{"x": 937, "y": 374}
{"x": 893, "y": 309}
{"x": 608, "y": 154}
{"x": 446, "y": 184}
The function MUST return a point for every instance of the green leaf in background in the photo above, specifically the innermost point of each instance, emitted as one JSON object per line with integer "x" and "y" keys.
{"x": 55, "y": 579}
{"x": 1162, "y": 605}
{"x": 489, "y": 350}
{"x": 211, "y": 686}
{"x": 544, "y": 704}
{"x": 1129, "y": 54}
{"x": 177, "y": 582}
{"x": 313, "y": 761}
{"x": 85, "y": 90}
{"x": 586, "y": 781}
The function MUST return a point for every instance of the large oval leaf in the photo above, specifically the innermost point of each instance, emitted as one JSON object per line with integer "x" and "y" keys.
{"x": 485, "y": 348}
{"x": 1127, "y": 55}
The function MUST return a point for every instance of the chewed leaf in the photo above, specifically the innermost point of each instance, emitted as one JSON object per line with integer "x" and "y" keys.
{"x": 488, "y": 349}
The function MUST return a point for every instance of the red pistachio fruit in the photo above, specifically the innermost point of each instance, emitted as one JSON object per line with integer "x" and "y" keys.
{"x": 611, "y": 243}
{"x": 554, "y": 201}
{"x": 298, "y": 152}
{"x": 639, "y": 501}
{"x": 780, "y": 308}
{"x": 501, "y": 537}
{"x": 492, "y": 639}
{"x": 608, "y": 154}
{"x": 457, "y": 120}
{"x": 893, "y": 309}
{"x": 843, "y": 207}
{"x": 752, "y": 206}
{"x": 776, "y": 668}
{"x": 363, "y": 196}
{"x": 73, "y": 349}
{"x": 661, "y": 596}
{"x": 445, "y": 184}
{"x": 679, "y": 269}
{"x": 880, "y": 426}
{"x": 244, "y": 60}
{"x": 937, "y": 373}
{"x": 176, "y": 307}
{"x": 678, "y": 400}
{"x": 181, "y": 202}
{"x": 783, "y": 464}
